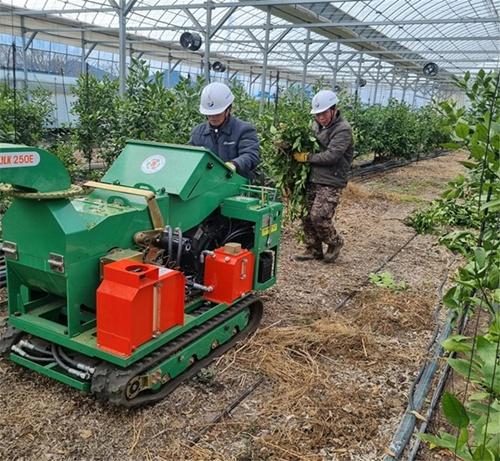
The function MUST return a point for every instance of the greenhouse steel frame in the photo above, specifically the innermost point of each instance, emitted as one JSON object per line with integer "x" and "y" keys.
{"x": 345, "y": 42}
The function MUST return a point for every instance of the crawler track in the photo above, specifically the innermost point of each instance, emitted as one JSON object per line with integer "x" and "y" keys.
{"x": 110, "y": 382}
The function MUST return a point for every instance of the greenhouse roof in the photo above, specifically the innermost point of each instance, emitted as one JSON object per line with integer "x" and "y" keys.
{"x": 349, "y": 38}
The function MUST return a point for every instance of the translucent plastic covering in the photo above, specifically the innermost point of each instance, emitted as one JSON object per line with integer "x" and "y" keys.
{"x": 350, "y": 39}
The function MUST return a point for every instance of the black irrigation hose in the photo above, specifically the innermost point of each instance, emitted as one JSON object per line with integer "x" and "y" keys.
{"x": 435, "y": 334}
{"x": 422, "y": 383}
{"x": 436, "y": 396}
{"x": 371, "y": 169}
{"x": 435, "y": 399}
{"x": 380, "y": 267}
{"x": 227, "y": 410}
{"x": 408, "y": 422}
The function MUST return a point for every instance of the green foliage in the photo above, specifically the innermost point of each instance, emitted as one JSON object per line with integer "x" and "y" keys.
{"x": 395, "y": 130}
{"x": 95, "y": 107}
{"x": 64, "y": 147}
{"x": 449, "y": 211}
{"x": 386, "y": 280}
{"x": 141, "y": 113}
{"x": 471, "y": 208}
{"x": 278, "y": 142}
{"x": 146, "y": 111}
{"x": 182, "y": 113}
{"x": 23, "y": 118}
{"x": 150, "y": 111}
{"x": 481, "y": 365}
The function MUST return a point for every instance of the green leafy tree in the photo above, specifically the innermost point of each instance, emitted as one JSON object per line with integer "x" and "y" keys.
{"x": 24, "y": 118}
{"x": 96, "y": 108}
{"x": 474, "y": 202}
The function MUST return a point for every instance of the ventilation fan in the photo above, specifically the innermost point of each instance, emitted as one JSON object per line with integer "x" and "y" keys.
{"x": 431, "y": 69}
{"x": 218, "y": 66}
{"x": 191, "y": 40}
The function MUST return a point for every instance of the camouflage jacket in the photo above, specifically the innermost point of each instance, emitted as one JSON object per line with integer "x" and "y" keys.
{"x": 331, "y": 166}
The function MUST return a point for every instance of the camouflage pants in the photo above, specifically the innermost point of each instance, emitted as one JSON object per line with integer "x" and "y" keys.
{"x": 321, "y": 202}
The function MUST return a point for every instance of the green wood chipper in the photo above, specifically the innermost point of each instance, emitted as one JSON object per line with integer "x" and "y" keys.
{"x": 128, "y": 286}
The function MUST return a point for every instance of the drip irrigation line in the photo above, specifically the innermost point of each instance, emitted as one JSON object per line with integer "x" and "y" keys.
{"x": 407, "y": 425}
{"x": 380, "y": 267}
{"x": 227, "y": 410}
{"x": 435, "y": 397}
{"x": 435, "y": 334}
{"x": 428, "y": 415}
{"x": 406, "y": 428}
{"x": 371, "y": 169}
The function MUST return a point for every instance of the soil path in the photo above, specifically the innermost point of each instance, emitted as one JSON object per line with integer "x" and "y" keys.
{"x": 334, "y": 383}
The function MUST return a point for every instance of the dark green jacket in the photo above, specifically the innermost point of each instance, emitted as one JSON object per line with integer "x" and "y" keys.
{"x": 331, "y": 166}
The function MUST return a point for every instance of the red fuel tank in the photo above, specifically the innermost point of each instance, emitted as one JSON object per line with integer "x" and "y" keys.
{"x": 136, "y": 302}
{"x": 229, "y": 271}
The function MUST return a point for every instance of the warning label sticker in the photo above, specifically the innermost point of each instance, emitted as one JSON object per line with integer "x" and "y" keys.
{"x": 19, "y": 159}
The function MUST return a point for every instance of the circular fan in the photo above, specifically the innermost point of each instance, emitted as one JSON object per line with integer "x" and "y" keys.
{"x": 191, "y": 40}
{"x": 431, "y": 69}
{"x": 361, "y": 82}
{"x": 218, "y": 66}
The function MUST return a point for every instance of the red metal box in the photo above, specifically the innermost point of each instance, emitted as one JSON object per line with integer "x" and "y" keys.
{"x": 229, "y": 275}
{"x": 136, "y": 302}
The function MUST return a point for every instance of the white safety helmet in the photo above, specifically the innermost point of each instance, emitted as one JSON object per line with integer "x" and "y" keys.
{"x": 215, "y": 98}
{"x": 323, "y": 100}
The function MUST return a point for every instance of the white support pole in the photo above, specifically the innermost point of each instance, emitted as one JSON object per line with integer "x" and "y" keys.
{"x": 208, "y": 29}
{"x": 122, "y": 19}
{"x": 264, "y": 65}
{"x": 377, "y": 81}
{"x": 306, "y": 60}
{"x": 25, "y": 61}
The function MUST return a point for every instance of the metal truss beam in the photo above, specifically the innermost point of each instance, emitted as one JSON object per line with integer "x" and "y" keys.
{"x": 475, "y": 38}
{"x": 305, "y": 25}
{"x": 353, "y": 54}
{"x": 221, "y": 23}
{"x": 181, "y": 6}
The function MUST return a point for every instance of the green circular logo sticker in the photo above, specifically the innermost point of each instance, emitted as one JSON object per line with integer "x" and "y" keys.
{"x": 153, "y": 164}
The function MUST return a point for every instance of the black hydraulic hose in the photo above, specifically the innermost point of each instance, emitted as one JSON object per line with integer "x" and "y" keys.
{"x": 179, "y": 246}
{"x": 66, "y": 358}
{"x": 237, "y": 233}
{"x": 64, "y": 366}
{"x": 73, "y": 363}
{"x": 25, "y": 344}
{"x": 58, "y": 359}
{"x": 169, "y": 243}
{"x": 22, "y": 353}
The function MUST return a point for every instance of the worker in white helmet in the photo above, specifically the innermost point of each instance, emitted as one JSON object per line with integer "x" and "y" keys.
{"x": 327, "y": 177}
{"x": 233, "y": 140}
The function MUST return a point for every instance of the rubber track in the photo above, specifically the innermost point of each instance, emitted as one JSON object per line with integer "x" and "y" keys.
{"x": 8, "y": 337}
{"x": 109, "y": 382}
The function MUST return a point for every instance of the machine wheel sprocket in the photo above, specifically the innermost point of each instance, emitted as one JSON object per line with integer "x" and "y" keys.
{"x": 73, "y": 191}
{"x": 115, "y": 385}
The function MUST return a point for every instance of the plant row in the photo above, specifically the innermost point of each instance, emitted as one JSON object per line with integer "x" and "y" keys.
{"x": 468, "y": 218}
{"x": 149, "y": 111}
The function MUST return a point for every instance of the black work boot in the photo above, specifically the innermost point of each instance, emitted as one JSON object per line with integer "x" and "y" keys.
{"x": 308, "y": 255}
{"x": 332, "y": 253}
